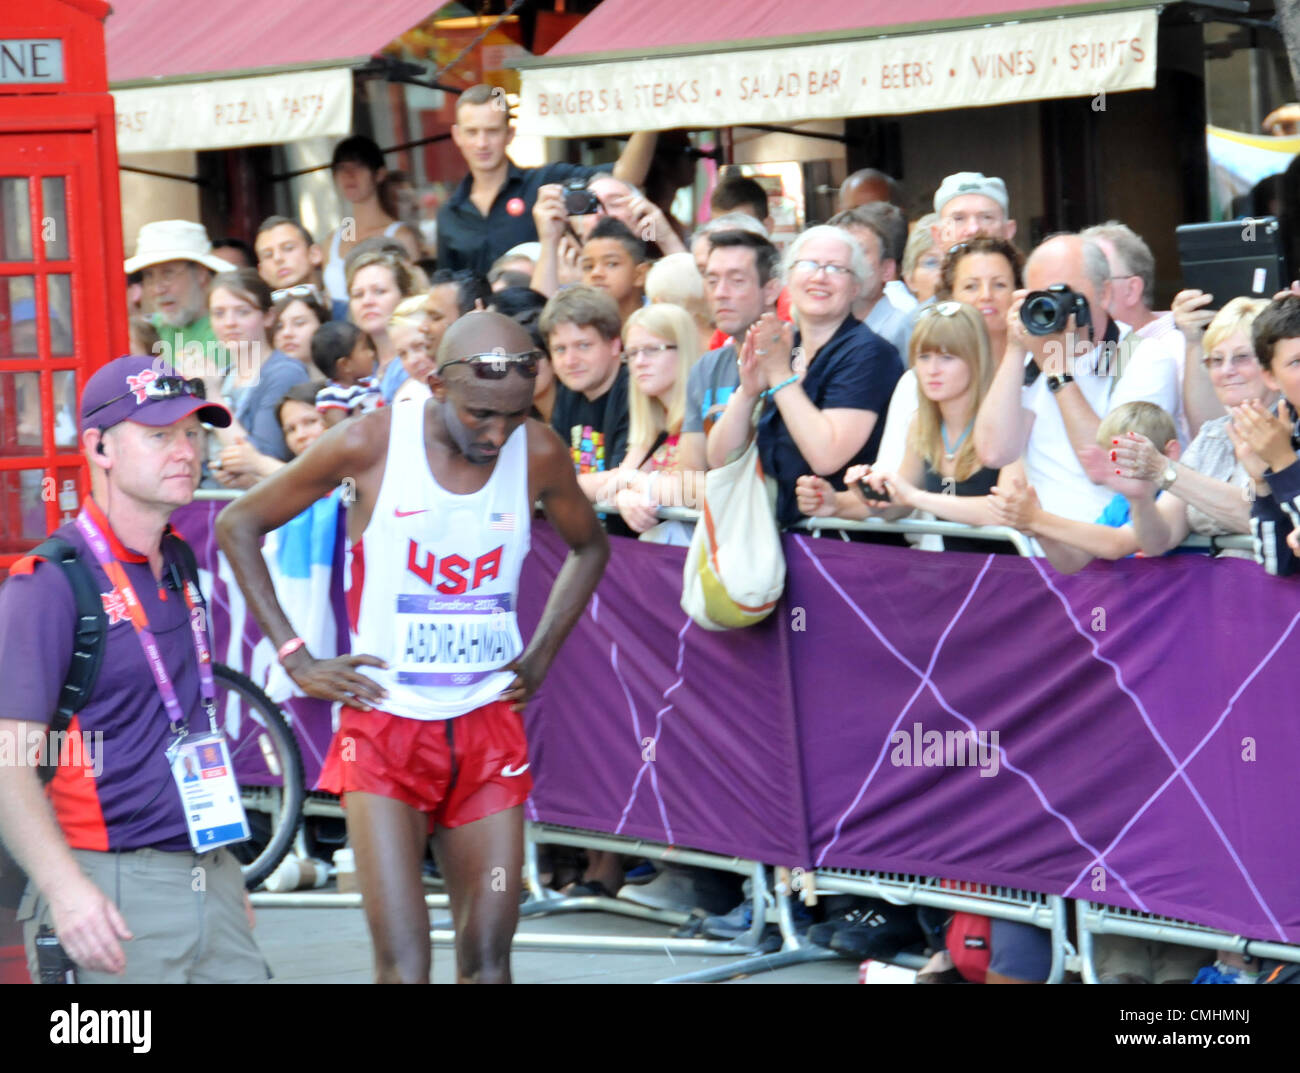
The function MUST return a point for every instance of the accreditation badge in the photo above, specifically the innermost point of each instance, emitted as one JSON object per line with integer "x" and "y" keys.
{"x": 205, "y": 777}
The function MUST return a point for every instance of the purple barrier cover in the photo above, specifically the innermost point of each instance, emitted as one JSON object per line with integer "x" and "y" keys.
{"x": 1125, "y": 735}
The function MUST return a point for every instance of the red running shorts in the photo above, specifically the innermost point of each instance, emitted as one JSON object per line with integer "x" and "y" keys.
{"x": 455, "y": 771}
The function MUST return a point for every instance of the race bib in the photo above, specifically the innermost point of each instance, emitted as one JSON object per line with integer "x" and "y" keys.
{"x": 454, "y": 640}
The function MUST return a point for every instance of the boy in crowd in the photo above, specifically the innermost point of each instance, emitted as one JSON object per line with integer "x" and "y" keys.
{"x": 287, "y": 256}
{"x": 347, "y": 356}
{"x": 1071, "y": 545}
{"x": 1266, "y": 441}
{"x": 614, "y": 260}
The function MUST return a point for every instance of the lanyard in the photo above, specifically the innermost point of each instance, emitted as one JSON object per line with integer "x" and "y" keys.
{"x": 117, "y": 576}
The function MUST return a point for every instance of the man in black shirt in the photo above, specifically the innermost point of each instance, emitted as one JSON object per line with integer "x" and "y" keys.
{"x": 492, "y": 208}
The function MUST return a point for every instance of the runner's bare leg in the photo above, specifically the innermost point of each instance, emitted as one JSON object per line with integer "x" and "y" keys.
{"x": 388, "y": 838}
{"x": 482, "y": 863}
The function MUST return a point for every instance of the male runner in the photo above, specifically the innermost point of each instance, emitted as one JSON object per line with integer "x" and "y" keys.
{"x": 430, "y": 739}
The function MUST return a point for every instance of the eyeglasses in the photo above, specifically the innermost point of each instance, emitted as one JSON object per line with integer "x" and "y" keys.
{"x": 162, "y": 387}
{"x": 943, "y": 309}
{"x": 301, "y": 290}
{"x": 1215, "y": 362}
{"x": 811, "y": 268}
{"x": 495, "y": 366}
{"x": 648, "y": 351}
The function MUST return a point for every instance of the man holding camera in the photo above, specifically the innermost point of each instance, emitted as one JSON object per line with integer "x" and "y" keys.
{"x": 491, "y": 210}
{"x": 1062, "y": 372}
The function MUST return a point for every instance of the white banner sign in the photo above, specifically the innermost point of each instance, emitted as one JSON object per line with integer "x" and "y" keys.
{"x": 226, "y": 113}
{"x": 1002, "y": 64}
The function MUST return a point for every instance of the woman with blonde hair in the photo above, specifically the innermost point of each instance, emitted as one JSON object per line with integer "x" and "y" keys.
{"x": 660, "y": 343}
{"x": 1209, "y": 488}
{"x": 676, "y": 280}
{"x": 411, "y": 346}
{"x": 940, "y": 472}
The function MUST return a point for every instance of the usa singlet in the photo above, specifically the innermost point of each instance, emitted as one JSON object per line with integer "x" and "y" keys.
{"x": 432, "y": 583}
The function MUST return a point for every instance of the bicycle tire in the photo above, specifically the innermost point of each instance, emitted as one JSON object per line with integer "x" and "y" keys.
{"x": 260, "y": 742}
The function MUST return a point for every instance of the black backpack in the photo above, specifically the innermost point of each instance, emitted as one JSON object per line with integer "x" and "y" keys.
{"x": 87, "y": 655}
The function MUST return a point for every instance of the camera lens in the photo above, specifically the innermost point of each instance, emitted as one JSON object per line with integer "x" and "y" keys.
{"x": 1041, "y": 314}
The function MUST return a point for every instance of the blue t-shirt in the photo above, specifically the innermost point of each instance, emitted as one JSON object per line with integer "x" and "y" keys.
{"x": 1117, "y": 513}
{"x": 854, "y": 370}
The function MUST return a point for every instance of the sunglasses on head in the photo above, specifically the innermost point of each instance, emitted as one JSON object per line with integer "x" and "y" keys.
{"x": 160, "y": 388}
{"x": 494, "y": 366}
{"x": 301, "y": 290}
{"x": 943, "y": 309}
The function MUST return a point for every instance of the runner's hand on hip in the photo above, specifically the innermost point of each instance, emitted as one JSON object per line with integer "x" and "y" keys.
{"x": 336, "y": 679}
{"x": 527, "y": 680}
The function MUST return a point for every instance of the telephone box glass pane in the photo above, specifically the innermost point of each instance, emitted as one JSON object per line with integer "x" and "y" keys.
{"x": 59, "y": 295}
{"x": 20, "y": 413}
{"x": 17, "y": 317}
{"x": 26, "y": 526}
{"x": 15, "y": 219}
{"x": 54, "y": 226}
{"x": 65, "y": 408}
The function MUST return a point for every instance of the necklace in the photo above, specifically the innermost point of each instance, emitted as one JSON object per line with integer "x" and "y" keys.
{"x": 950, "y": 449}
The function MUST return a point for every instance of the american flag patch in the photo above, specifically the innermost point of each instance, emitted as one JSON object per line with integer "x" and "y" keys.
{"x": 502, "y": 521}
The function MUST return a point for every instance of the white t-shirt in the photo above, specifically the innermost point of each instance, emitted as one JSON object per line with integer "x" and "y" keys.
{"x": 1051, "y": 465}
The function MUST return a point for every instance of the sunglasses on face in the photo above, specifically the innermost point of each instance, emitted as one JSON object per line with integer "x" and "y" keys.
{"x": 495, "y": 366}
{"x": 163, "y": 387}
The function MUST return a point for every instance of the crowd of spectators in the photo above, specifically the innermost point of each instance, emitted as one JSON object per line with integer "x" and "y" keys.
{"x": 882, "y": 365}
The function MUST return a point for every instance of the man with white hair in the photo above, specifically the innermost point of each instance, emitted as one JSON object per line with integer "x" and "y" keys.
{"x": 177, "y": 261}
{"x": 1051, "y": 391}
{"x": 1132, "y": 287}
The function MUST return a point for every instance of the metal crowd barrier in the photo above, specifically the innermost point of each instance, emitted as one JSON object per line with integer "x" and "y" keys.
{"x": 1047, "y": 911}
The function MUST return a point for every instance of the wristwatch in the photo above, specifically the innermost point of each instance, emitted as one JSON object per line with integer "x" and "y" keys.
{"x": 1055, "y": 383}
{"x": 1167, "y": 478}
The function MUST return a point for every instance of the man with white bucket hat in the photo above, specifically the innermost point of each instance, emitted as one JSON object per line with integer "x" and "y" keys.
{"x": 177, "y": 261}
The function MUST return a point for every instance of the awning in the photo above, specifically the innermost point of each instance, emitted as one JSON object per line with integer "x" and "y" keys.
{"x": 679, "y": 63}
{"x": 225, "y": 73}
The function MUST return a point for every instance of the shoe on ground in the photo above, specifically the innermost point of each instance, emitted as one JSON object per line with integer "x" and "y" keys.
{"x": 822, "y": 934}
{"x": 672, "y": 889}
{"x": 642, "y": 872}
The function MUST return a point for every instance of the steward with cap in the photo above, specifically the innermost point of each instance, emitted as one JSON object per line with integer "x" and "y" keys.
{"x": 115, "y": 870}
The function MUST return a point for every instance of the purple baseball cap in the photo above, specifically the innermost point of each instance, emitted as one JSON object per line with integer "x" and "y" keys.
{"x": 135, "y": 388}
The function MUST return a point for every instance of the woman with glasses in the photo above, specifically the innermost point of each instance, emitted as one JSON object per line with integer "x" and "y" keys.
{"x": 823, "y": 382}
{"x": 258, "y": 376}
{"x": 660, "y": 343}
{"x": 295, "y": 315}
{"x": 377, "y": 282}
{"x": 1208, "y": 487}
{"x": 940, "y": 473}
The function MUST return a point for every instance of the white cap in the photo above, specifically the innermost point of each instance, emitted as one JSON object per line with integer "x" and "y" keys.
{"x": 971, "y": 182}
{"x": 174, "y": 240}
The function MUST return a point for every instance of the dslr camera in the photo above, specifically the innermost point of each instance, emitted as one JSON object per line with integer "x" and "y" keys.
{"x": 1048, "y": 312}
{"x": 578, "y": 200}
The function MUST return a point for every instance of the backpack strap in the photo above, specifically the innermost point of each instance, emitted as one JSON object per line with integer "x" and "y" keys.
{"x": 88, "y": 643}
{"x": 183, "y": 554}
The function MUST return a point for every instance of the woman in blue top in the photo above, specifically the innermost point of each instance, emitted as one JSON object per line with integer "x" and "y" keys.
{"x": 256, "y": 379}
{"x": 824, "y": 382}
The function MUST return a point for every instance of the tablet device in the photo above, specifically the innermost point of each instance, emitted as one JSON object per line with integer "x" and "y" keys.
{"x": 1234, "y": 258}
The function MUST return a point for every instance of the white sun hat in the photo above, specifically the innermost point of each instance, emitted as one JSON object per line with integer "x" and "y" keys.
{"x": 174, "y": 240}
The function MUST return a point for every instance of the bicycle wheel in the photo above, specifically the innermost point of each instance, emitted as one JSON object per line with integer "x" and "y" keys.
{"x": 268, "y": 767}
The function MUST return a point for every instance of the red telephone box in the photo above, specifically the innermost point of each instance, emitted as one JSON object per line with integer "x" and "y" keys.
{"x": 62, "y": 287}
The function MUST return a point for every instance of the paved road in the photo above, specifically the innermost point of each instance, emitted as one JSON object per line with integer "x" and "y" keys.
{"x": 323, "y": 946}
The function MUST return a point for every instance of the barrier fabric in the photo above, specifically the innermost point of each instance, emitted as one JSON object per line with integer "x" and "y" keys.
{"x": 1126, "y": 735}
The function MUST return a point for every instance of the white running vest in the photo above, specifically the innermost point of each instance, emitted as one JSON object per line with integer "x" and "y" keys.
{"x": 433, "y": 581}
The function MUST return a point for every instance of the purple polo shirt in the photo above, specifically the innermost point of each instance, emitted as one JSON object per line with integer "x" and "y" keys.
{"x": 133, "y": 802}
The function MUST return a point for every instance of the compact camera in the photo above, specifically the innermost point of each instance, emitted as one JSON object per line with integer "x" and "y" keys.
{"x": 578, "y": 200}
{"x": 1048, "y": 312}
